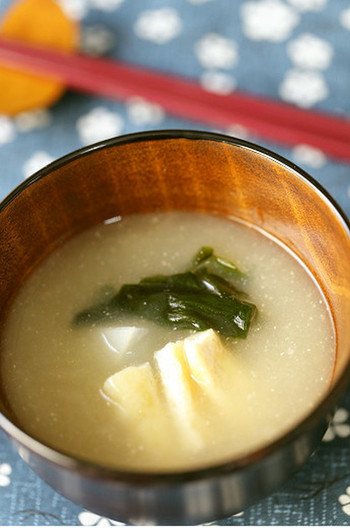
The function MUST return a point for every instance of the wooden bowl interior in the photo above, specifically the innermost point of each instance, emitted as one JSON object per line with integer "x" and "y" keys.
{"x": 180, "y": 174}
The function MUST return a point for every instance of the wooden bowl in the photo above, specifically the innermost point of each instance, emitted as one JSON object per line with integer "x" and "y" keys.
{"x": 179, "y": 170}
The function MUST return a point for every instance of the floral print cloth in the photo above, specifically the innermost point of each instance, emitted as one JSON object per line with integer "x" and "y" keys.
{"x": 296, "y": 51}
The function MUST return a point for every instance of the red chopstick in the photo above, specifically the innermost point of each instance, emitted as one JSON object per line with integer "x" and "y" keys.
{"x": 272, "y": 120}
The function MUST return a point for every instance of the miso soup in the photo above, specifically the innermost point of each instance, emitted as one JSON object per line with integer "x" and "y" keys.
{"x": 131, "y": 393}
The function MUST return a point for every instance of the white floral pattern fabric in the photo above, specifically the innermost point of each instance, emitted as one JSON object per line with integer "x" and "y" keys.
{"x": 87, "y": 518}
{"x": 5, "y": 472}
{"x": 268, "y": 20}
{"x": 294, "y": 51}
{"x": 310, "y": 52}
{"x": 344, "y": 500}
{"x": 159, "y": 25}
{"x": 338, "y": 426}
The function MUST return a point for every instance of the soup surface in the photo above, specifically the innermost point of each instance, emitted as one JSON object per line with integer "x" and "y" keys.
{"x": 55, "y": 375}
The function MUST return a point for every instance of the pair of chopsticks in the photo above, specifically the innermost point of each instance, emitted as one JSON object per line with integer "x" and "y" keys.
{"x": 184, "y": 98}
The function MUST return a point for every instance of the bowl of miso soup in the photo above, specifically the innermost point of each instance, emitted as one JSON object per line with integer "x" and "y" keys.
{"x": 174, "y": 324}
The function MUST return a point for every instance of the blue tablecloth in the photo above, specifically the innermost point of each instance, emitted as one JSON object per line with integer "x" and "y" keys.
{"x": 297, "y": 51}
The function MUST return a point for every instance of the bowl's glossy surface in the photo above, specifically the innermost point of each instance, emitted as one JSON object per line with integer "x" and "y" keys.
{"x": 178, "y": 170}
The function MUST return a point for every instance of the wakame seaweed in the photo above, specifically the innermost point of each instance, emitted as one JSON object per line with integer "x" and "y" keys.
{"x": 203, "y": 297}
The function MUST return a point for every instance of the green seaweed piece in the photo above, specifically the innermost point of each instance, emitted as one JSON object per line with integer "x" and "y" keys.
{"x": 206, "y": 259}
{"x": 197, "y": 300}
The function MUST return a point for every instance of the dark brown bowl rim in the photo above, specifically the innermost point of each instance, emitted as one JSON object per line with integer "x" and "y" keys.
{"x": 311, "y": 421}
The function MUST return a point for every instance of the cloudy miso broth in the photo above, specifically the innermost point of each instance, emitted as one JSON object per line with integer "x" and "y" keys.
{"x": 110, "y": 392}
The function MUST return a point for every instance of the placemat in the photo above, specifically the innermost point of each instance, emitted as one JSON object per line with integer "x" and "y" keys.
{"x": 296, "y": 51}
